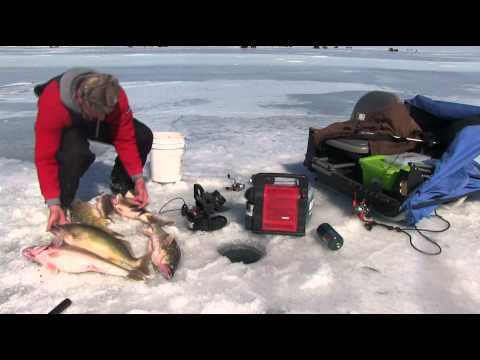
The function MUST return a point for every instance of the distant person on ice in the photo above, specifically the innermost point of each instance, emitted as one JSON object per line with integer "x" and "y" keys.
{"x": 74, "y": 107}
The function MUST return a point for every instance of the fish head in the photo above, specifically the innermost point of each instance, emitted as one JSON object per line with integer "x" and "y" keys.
{"x": 59, "y": 231}
{"x": 38, "y": 253}
{"x": 166, "y": 259}
{"x": 31, "y": 253}
{"x": 161, "y": 265}
{"x": 165, "y": 269}
{"x": 67, "y": 233}
{"x": 173, "y": 254}
{"x": 64, "y": 230}
{"x": 159, "y": 258}
{"x": 126, "y": 208}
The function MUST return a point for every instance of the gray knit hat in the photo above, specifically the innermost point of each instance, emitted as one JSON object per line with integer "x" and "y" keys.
{"x": 99, "y": 91}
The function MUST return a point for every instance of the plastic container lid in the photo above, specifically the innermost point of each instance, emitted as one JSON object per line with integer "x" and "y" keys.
{"x": 168, "y": 138}
{"x": 374, "y": 168}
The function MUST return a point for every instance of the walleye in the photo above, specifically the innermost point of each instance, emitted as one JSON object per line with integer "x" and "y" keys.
{"x": 124, "y": 206}
{"x": 85, "y": 213}
{"x": 100, "y": 243}
{"x": 71, "y": 260}
{"x": 165, "y": 253}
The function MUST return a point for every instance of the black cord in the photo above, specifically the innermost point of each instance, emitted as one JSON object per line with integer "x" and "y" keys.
{"x": 404, "y": 230}
{"x": 168, "y": 202}
{"x": 429, "y": 230}
{"x": 429, "y": 240}
{"x": 432, "y": 231}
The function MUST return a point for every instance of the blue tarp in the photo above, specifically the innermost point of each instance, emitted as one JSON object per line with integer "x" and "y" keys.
{"x": 443, "y": 109}
{"x": 456, "y": 173}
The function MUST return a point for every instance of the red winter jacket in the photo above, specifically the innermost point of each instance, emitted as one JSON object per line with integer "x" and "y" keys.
{"x": 53, "y": 117}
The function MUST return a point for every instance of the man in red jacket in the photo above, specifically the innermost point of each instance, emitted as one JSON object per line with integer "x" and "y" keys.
{"x": 74, "y": 107}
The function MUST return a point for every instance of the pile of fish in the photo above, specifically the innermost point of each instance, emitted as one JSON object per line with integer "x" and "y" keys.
{"x": 88, "y": 245}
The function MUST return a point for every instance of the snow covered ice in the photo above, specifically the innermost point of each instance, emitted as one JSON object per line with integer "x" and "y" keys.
{"x": 242, "y": 111}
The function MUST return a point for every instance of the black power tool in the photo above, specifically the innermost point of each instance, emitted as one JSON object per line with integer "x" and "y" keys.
{"x": 201, "y": 216}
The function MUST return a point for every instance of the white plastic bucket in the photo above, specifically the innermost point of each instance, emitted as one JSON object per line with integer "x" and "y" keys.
{"x": 166, "y": 156}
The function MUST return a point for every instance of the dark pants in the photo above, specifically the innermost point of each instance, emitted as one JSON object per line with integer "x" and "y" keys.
{"x": 74, "y": 157}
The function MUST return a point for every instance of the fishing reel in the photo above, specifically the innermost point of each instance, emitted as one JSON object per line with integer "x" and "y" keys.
{"x": 235, "y": 185}
{"x": 201, "y": 216}
{"x": 361, "y": 210}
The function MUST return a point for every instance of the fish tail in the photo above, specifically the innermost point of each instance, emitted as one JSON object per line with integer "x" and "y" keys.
{"x": 136, "y": 275}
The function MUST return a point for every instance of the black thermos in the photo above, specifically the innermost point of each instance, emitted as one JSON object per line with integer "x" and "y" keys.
{"x": 328, "y": 234}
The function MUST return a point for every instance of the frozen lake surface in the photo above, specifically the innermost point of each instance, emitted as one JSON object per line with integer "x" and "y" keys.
{"x": 243, "y": 111}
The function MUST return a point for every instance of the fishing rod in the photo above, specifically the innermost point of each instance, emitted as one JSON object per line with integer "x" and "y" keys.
{"x": 374, "y": 136}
